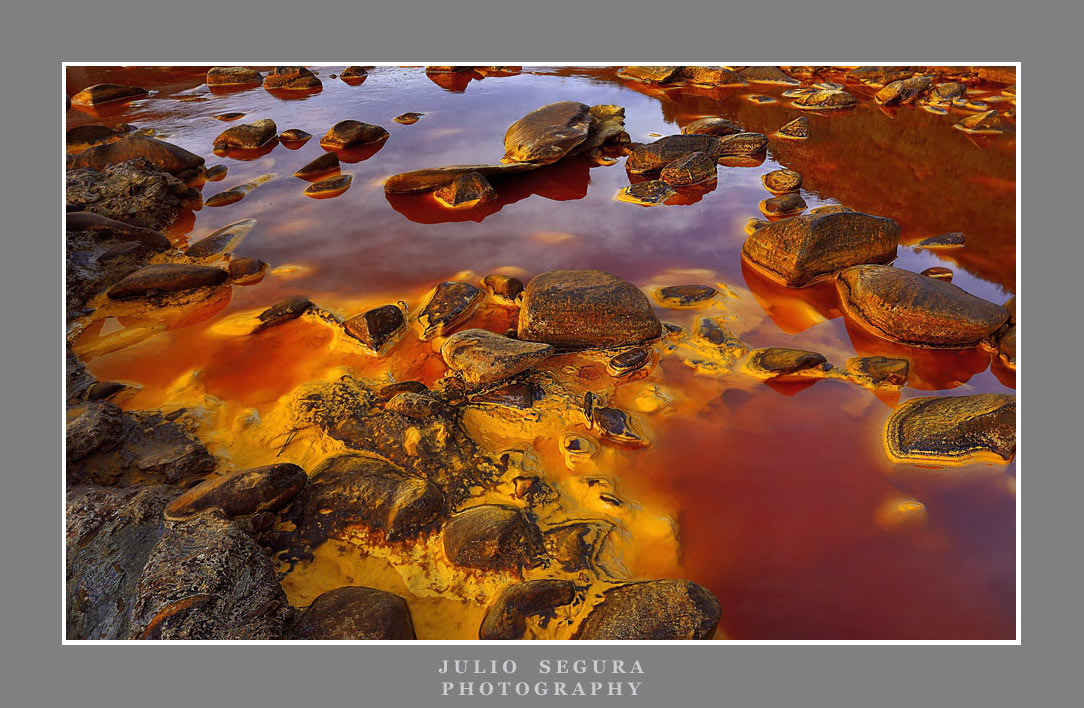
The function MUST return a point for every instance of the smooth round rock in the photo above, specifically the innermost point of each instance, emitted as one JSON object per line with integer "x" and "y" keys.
{"x": 165, "y": 278}
{"x": 547, "y": 134}
{"x": 685, "y": 295}
{"x": 296, "y": 78}
{"x": 651, "y": 193}
{"x": 163, "y": 155}
{"x": 355, "y": 614}
{"x": 783, "y": 205}
{"x": 250, "y": 136}
{"x": 107, "y": 93}
{"x": 953, "y": 430}
{"x": 653, "y": 610}
{"x": 328, "y": 162}
{"x": 329, "y": 187}
{"x": 506, "y": 618}
{"x": 492, "y": 537}
{"x": 247, "y": 271}
{"x": 782, "y": 181}
{"x": 775, "y": 362}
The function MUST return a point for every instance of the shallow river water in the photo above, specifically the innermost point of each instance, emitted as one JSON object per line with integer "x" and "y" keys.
{"x": 778, "y": 498}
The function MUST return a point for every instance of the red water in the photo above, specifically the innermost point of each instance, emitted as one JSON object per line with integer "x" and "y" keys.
{"x": 780, "y": 490}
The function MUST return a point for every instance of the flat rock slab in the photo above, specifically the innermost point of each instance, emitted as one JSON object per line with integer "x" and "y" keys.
{"x": 953, "y": 430}
{"x": 797, "y": 129}
{"x": 355, "y": 613}
{"x": 482, "y": 357}
{"x": 241, "y": 493}
{"x": 233, "y": 76}
{"x": 492, "y": 537}
{"x": 712, "y": 125}
{"x": 879, "y": 370}
{"x": 653, "y": 610}
{"x": 585, "y": 308}
{"x": 801, "y": 249}
{"x": 166, "y": 278}
{"x": 782, "y": 181}
{"x": 681, "y": 296}
{"x": 916, "y": 310}
{"x": 547, "y": 134}
{"x": 433, "y": 177}
{"x": 328, "y": 162}
{"x": 163, "y": 155}
{"x": 825, "y": 100}
{"x": 783, "y": 205}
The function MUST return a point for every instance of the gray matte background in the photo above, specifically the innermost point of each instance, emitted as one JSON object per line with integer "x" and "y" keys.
{"x": 38, "y": 35}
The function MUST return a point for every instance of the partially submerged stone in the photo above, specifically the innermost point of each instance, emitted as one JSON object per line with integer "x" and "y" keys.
{"x": 350, "y": 490}
{"x": 246, "y": 271}
{"x": 782, "y": 181}
{"x": 906, "y": 307}
{"x": 356, "y": 614}
{"x": 712, "y": 125}
{"x": 506, "y": 617}
{"x": 295, "y": 135}
{"x": 87, "y": 136}
{"x": 1006, "y": 345}
{"x": 215, "y": 173}
{"x": 163, "y": 155}
{"x": 326, "y": 163}
{"x": 106, "y": 228}
{"x": 692, "y": 169}
{"x": 291, "y": 78}
{"x": 250, "y": 136}
{"x": 649, "y": 74}
{"x": 653, "y": 610}
{"x": 825, "y": 100}
{"x": 680, "y": 296}
{"x": 503, "y": 287}
{"x": 651, "y": 193}
{"x": 166, "y": 278}
{"x": 903, "y": 91}
{"x": 391, "y": 390}
{"x": 431, "y": 178}
{"x": 801, "y": 249}
{"x": 943, "y": 241}
{"x": 939, "y": 273}
{"x": 329, "y": 187}
{"x": 347, "y": 133}
{"x": 224, "y": 240}
{"x": 783, "y": 205}
{"x": 241, "y": 493}
{"x": 987, "y": 123}
{"x": 715, "y": 333}
{"x": 354, "y": 72}
{"x": 483, "y": 357}
{"x": 378, "y": 328}
{"x": 585, "y": 308}
{"x": 953, "y": 430}
{"x": 879, "y": 370}
{"x": 797, "y": 129}
{"x": 466, "y": 191}
{"x": 548, "y": 133}
{"x": 232, "y": 115}
{"x": 767, "y": 75}
{"x": 283, "y": 312}
{"x": 492, "y": 537}
{"x": 409, "y": 118}
{"x": 451, "y": 303}
{"x": 233, "y": 76}
{"x": 208, "y": 579}
{"x": 654, "y": 156}
{"x": 628, "y": 361}
{"x": 710, "y": 76}
{"x": 739, "y": 144}
{"x": 785, "y": 363}
{"x": 615, "y": 424}
{"x": 106, "y": 93}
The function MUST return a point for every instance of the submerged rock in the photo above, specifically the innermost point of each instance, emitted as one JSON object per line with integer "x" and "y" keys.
{"x": 767, "y": 75}
{"x": 780, "y": 362}
{"x": 107, "y": 93}
{"x": 685, "y": 295}
{"x": 328, "y": 162}
{"x": 241, "y": 493}
{"x": 329, "y": 187}
{"x": 987, "y": 123}
{"x": 879, "y": 369}
{"x": 233, "y": 76}
{"x": 165, "y": 156}
{"x": 782, "y": 181}
{"x": 654, "y": 156}
{"x": 712, "y": 125}
{"x": 506, "y": 617}
{"x": 692, "y": 169}
{"x": 466, "y": 190}
{"x": 654, "y": 610}
{"x": 953, "y": 430}
{"x": 283, "y": 312}
{"x": 224, "y": 240}
{"x": 616, "y": 425}
{"x": 912, "y": 309}
{"x": 431, "y": 178}
{"x": 798, "y": 250}
{"x": 208, "y": 579}
{"x": 548, "y": 133}
{"x": 651, "y": 193}
{"x": 346, "y": 133}
{"x": 246, "y": 271}
{"x": 939, "y": 273}
{"x": 628, "y": 361}
{"x": 943, "y": 241}
{"x": 408, "y": 118}
{"x": 166, "y": 278}
{"x": 482, "y": 357}
{"x": 377, "y": 328}
{"x": 742, "y": 144}
{"x": 585, "y": 308}
{"x": 87, "y": 136}
{"x": 451, "y": 303}
{"x": 492, "y": 537}
{"x": 291, "y": 77}
{"x": 354, "y": 72}
{"x": 250, "y": 136}
{"x": 295, "y": 135}
{"x": 797, "y": 129}
{"x": 355, "y": 613}
{"x": 784, "y": 205}
{"x": 715, "y": 333}
{"x": 350, "y": 489}
{"x": 824, "y": 100}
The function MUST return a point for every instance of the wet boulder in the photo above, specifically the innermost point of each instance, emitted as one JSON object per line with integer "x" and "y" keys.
{"x": 295, "y": 135}
{"x": 354, "y": 614}
{"x": 250, "y": 136}
{"x": 650, "y": 193}
{"x": 649, "y": 74}
{"x": 797, "y": 129}
{"x": 986, "y": 123}
{"x": 783, "y": 205}
{"x": 953, "y": 430}
{"x": 742, "y": 144}
{"x": 431, "y": 178}
{"x": 291, "y": 77}
{"x": 165, "y": 156}
{"x": 904, "y": 91}
{"x": 408, "y": 118}
{"x": 653, "y": 610}
{"x": 607, "y": 127}
{"x": 105, "y": 228}
{"x": 801, "y": 249}
{"x": 506, "y": 618}
{"x": 548, "y": 133}
{"x": 347, "y": 133}
{"x": 208, "y": 579}
{"x": 107, "y": 93}
{"x": 767, "y": 75}
{"x": 784, "y": 363}
{"x": 283, "y": 311}
{"x": 654, "y": 156}
{"x": 329, "y": 187}
{"x": 233, "y": 76}
{"x": 450, "y": 304}
{"x": 222, "y": 241}
{"x": 354, "y": 72}
{"x": 166, "y": 278}
{"x": 328, "y": 162}
{"x": 825, "y": 100}
{"x": 879, "y": 370}
{"x": 241, "y": 493}
{"x": 246, "y": 271}
{"x": 492, "y": 537}
{"x": 782, "y": 181}
{"x": 913, "y": 309}
{"x": 350, "y": 490}
{"x": 712, "y": 125}
{"x": 692, "y": 169}
{"x": 628, "y": 361}
{"x": 466, "y": 191}
{"x": 483, "y": 357}
{"x": 880, "y": 75}
{"x": 109, "y": 535}
{"x": 585, "y": 308}
{"x": 377, "y": 328}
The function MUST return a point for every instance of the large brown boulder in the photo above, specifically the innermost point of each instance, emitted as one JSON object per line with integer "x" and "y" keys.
{"x": 953, "y": 430}
{"x": 585, "y": 308}
{"x": 916, "y": 310}
{"x": 654, "y": 610}
{"x": 166, "y": 278}
{"x": 547, "y": 134}
{"x": 291, "y": 77}
{"x": 355, "y": 613}
{"x": 482, "y": 357}
{"x": 710, "y": 76}
{"x": 250, "y": 136}
{"x": 346, "y": 133}
{"x": 801, "y": 249}
{"x": 492, "y": 537}
{"x": 163, "y": 155}
{"x": 241, "y": 493}
{"x": 507, "y": 616}
{"x": 233, "y": 76}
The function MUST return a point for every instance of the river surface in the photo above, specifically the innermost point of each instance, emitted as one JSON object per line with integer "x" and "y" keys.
{"x": 780, "y": 496}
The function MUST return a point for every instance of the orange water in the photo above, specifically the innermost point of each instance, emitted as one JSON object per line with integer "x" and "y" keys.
{"x": 786, "y": 506}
